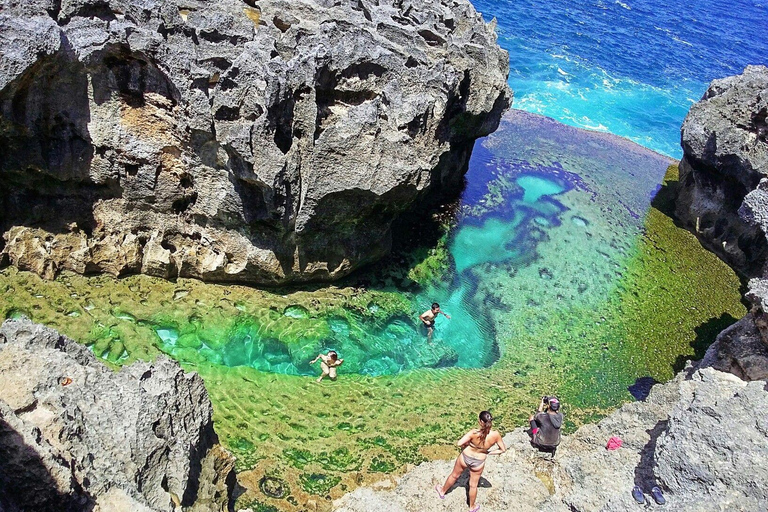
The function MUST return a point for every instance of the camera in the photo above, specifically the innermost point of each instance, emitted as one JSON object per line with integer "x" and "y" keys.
{"x": 545, "y": 399}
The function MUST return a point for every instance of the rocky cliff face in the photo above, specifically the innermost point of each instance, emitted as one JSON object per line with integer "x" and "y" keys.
{"x": 723, "y": 172}
{"x": 233, "y": 140}
{"x": 723, "y": 198}
{"x": 74, "y": 435}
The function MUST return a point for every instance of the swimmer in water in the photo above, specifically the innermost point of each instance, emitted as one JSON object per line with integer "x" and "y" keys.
{"x": 328, "y": 363}
{"x": 428, "y": 318}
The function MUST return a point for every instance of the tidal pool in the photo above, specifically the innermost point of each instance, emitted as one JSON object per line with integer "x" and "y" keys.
{"x": 563, "y": 274}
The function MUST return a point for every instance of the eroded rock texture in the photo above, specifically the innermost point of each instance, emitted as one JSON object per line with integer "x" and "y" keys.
{"x": 723, "y": 198}
{"x": 233, "y": 140}
{"x": 724, "y": 169}
{"x": 75, "y": 435}
{"x": 702, "y": 438}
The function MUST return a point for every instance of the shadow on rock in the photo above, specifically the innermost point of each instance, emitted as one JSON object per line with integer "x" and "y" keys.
{"x": 644, "y": 477}
{"x": 26, "y": 482}
{"x": 705, "y": 336}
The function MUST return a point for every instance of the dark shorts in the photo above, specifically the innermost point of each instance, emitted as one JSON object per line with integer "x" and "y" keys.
{"x": 429, "y": 325}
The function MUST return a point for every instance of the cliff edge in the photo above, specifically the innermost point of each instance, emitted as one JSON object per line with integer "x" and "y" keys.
{"x": 261, "y": 141}
{"x": 75, "y": 435}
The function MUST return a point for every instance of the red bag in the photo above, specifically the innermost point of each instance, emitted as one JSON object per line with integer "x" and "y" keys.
{"x": 614, "y": 443}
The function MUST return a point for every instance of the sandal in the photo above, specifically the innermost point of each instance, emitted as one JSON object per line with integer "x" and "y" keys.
{"x": 477, "y": 507}
{"x": 637, "y": 493}
{"x": 657, "y": 496}
{"x": 439, "y": 491}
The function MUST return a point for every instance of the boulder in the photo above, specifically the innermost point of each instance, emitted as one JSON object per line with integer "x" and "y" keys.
{"x": 234, "y": 140}
{"x": 76, "y": 435}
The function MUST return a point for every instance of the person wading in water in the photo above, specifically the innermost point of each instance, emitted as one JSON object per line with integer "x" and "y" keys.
{"x": 428, "y": 318}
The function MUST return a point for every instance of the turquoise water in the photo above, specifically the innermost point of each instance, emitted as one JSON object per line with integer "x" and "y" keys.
{"x": 629, "y": 67}
{"x": 510, "y": 234}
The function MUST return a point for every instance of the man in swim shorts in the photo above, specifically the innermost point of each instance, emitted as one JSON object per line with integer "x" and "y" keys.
{"x": 428, "y": 318}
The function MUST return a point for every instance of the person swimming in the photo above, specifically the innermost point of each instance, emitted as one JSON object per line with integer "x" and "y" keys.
{"x": 428, "y": 318}
{"x": 328, "y": 363}
{"x": 476, "y": 444}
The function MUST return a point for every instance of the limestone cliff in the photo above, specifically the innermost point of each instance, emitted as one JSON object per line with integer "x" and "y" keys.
{"x": 260, "y": 141}
{"x": 724, "y": 170}
{"x": 723, "y": 199}
{"x": 75, "y": 435}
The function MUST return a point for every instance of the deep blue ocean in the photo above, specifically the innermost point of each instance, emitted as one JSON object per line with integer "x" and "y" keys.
{"x": 629, "y": 67}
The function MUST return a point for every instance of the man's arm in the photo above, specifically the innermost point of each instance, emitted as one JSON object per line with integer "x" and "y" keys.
{"x": 421, "y": 317}
{"x": 445, "y": 315}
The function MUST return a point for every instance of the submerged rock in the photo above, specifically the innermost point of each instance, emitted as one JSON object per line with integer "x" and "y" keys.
{"x": 231, "y": 140}
{"x": 75, "y": 435}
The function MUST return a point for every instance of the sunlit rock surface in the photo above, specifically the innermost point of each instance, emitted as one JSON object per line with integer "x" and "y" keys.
{"x": 723, "y": 199}
{"x": 234, "y": 140}
{"x": 698, "y": 437}
{"x": 75, "y": 435}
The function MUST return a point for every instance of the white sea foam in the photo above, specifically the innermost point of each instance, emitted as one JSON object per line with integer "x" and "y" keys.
{"x": 624, "y": 5}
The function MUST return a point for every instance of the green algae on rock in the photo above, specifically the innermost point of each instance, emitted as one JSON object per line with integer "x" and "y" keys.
{"x": 594, "y": 287}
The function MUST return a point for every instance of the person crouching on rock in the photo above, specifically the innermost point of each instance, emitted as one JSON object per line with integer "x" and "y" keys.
{"x": 545, "y": 425}
{"x": 476, "y": 444}
{"x": 328, "y": 363}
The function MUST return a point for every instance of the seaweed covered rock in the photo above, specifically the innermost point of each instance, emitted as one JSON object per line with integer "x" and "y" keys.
{"x": 234, "y": 140}
{"x": 75, "y": 435}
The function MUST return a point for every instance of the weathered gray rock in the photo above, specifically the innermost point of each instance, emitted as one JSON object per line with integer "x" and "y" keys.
{"x": 722, "y": 194}
{"x": 233, "y": 140}
{"x": 712, "y": 454}
{"x": 75, "y": 435}
{"x": 702, "y": 438}
{"x": 741, "y": 349}
{"x": 723, "y": 199}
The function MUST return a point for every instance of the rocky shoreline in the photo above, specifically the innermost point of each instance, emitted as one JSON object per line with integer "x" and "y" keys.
{"x": 172, "y": 178}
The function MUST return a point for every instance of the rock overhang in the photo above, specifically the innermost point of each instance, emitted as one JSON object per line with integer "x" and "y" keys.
{"x": 242, "y": 139}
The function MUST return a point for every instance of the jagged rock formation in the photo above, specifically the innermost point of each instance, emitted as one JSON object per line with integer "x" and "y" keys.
{"x": 723, "y": 198}
{"x": 702, "y": 438}
{"x": 233, "y": 140}
{"x": 723, "y": 172}
{"x": 75, "y": 435}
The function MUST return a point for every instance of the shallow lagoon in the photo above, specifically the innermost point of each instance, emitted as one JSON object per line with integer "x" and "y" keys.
{"x": 562, "y": 273}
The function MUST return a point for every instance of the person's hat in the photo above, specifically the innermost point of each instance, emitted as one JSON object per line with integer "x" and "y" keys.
{"x": 554, "y": 404}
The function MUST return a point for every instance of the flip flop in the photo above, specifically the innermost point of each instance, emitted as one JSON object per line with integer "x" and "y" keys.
{"x": 637, "y": 493}
{"x": 476, "y": 509}
{"x": 657, "y": 496}
{"x": 439, "y": 492}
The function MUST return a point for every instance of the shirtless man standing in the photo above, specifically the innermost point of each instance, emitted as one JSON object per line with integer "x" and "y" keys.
{"x": 428, "y": 318}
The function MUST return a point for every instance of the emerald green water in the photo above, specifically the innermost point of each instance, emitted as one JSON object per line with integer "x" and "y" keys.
{"x": 562, "y": 271}
{"x": 507, "y": 234}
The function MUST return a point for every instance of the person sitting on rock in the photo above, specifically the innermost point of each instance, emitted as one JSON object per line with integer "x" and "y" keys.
{"x": 545, "y": 425}
{"x": 328, "y": 363}
{"x": 428, "y": 318}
